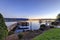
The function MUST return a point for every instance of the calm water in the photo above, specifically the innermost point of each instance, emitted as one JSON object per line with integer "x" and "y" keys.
{"x": 35, "y": 24}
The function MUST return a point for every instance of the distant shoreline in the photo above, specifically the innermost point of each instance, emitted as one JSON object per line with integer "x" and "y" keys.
{"x": 22, "y": 19}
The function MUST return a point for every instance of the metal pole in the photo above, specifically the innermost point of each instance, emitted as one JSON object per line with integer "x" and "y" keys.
{"x": 30, "y": 25}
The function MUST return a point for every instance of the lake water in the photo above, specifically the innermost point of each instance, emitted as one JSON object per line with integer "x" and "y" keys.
{"x": 34, "y": 25}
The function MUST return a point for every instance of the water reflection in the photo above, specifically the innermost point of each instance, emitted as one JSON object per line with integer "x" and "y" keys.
{"x": 34, "y": 24}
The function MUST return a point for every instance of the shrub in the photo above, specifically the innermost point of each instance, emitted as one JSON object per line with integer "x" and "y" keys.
{"x": 51, "y": 26}
{"x": 20, "y": 36}
{"x": 3, "y": 28}
{"x": 42, "y": 27}
{"x": 55, "y": 23}
{"x": 52, "y": 23}
{"x": 10, "y": 33}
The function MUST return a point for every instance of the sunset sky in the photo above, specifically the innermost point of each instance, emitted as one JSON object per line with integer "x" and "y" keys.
{"x": 29, "y": 8}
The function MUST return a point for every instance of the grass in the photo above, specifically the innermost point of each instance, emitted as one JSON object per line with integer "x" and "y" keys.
{"x": 52, "y": 34}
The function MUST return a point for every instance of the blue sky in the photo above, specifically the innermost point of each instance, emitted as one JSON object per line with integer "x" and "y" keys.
{"x": 30, "y": 8}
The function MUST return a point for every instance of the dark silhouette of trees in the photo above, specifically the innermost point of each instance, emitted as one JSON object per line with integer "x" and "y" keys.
{"x": 58, "y": 17}
{"x": 57, "y": 21}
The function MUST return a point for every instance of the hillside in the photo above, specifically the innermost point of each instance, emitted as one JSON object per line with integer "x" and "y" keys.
{"x": 52, "y": 34}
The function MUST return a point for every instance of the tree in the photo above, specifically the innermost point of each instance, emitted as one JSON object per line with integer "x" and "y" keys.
{"x": 58, "y": 17}
{"x": 3, "y": 28}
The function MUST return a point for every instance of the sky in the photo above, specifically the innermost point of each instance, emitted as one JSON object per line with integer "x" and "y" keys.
{"x": 30, "y": 8}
